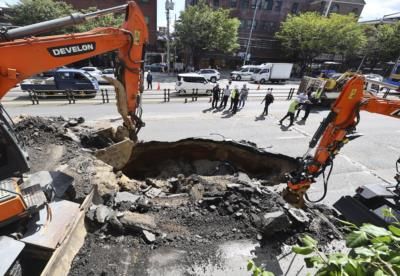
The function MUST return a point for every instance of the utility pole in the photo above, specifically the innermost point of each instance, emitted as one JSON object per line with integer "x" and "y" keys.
{"x": 169, "y": 5}
{"x": 329, "y": 7}
{"x": 251, "y": 33}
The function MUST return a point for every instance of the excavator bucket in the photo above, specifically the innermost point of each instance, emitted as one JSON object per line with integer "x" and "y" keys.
{"x": 117, "y": 155}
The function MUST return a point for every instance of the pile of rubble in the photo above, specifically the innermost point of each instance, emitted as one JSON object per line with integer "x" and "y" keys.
{"x": 171, "y": 196}
{"x": 194, "y": 213}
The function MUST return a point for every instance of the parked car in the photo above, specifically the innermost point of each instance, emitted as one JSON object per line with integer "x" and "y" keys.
{"x": 156, "y": 67}
{"x": 189, "y": 82}
{"x": 245, "y": 73}
{"x": 374, "y": 77}
{"x": 210, "y": 74}
{"x": 109, "y": 72}
{"x": 96, "y": 73}
{"x": 76, "y": 80}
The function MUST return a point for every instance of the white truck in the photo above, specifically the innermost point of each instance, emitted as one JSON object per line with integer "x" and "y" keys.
{"x": 273, "y": 72}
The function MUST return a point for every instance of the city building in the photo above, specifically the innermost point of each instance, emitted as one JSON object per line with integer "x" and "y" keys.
{"x": 263, "y": 46}
{"x": 148, "y": 7}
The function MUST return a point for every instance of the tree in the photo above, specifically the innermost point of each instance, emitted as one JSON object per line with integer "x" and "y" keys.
{"x": 28, "y": 12}
{"x": 203, "y": 29}
{"x": 383, "y": 43}
{"x": 109, "y": 20}
{"x": 309, "y": 35}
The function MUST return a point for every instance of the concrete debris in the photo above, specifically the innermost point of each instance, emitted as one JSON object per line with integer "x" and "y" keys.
{"x": 153, "y": 192}
{"x": 299, "y": 215}
{"x": 243, "y": 178}
{"x": 149, "y": 237}
{"x": 196, "y": 192}
{"x": 126, "y": 197}
{"x": 138, "y": 222}
{"x": 103, "y": 213}
{"x": 157, "y": 183}
{"x": 274, "y": 222}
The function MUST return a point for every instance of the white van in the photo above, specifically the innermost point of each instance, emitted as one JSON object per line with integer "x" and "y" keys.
{"x": 189, "y": 82}
{"x": 245, "y": 73}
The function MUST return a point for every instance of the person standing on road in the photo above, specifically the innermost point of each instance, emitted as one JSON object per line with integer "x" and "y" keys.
{"x": 292, "y": 109}
{"x": 268, "y": 99}
{"x": 302, "y": 98}
{"x": 233, "y": 93}
{"x": 149, "y": 79}
{"x": 215, "y": 97}
{"x": 236, "y": 97}
{"x": 244, "y": 92}
{"x": 224, "y": 100}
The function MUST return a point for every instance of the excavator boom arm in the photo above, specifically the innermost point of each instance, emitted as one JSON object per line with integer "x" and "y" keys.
{"x": 334, "y": 132}
{"x": 23, "y": 58}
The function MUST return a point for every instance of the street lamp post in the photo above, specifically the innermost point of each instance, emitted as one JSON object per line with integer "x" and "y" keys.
{"x": 329, "y": 7}
{"x": 251, "y": 33}
{"x": 169, "y": 5}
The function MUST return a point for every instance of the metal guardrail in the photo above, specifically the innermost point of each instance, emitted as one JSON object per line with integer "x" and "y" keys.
{"x": 107, "y": 95}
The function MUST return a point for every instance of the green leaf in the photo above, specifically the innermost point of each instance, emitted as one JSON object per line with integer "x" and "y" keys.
{"x": 383, "y": 239}
{"x": 363, "y": 251}
{"x": 379, "y": 273}
{"x": 250, "y": 265}
{"x": 313, "y": 261}
{"x": 395, "y": 260}
{"x": 356, "y": 239}
{"x": 394, "y": 230}
{"x": 337, "y": 259}
{"x": 381, "y": 249}
{"x": 387, "y": 213}
{"x": 374, "y": 230}
{"x": 351, "y": 267}
{"x": 302, "y": 250}
{"x": 308, "y": 241}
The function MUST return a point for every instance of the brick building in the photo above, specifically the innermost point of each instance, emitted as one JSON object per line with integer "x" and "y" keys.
{"x": 338, "y": 6}
{"x": 148, "y": 7}
{"x": 270, "y": 13}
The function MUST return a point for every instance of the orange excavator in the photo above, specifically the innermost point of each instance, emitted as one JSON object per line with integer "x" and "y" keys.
{"x": 23, "y": 55}
{"x": 337, "y": 129}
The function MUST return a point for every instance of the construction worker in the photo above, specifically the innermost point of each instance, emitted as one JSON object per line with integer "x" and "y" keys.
{"x": 224, "y": 101}
{"x": 268, "y": 99}
{"x": 292, "y": 109}
{"x": 244, "y": 92}
{"x": 149, "y": 79}
{"x": 215, "y": 97}
{"x": 302, "y": 98}
{"x": 232, "y": 96}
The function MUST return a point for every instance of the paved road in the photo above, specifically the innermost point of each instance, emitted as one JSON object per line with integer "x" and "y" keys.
{"x": 369, "y": 159}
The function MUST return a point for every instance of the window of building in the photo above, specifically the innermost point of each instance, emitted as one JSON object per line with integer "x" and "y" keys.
{"x": 355, "y": 11}
{"x": 254, "y": 3}
{"x": 323, "y": 6}
{"x": 244, "y": 4}
{"x": 216, "y": 3}
{"x": 267, "y": 4}
{"x": 335, "y": 8}
{"x": 147, "y": 19}
{"x": 233, "y": 3}
{"x": 295, "y": 8}
{"x": 248, "y": 25}
{"x": 144, "y": 1}
{"x": 278, "y": 6}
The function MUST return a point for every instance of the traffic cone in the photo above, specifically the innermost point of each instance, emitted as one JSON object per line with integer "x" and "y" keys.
{"x": 158, "y": 86}
{"x": 258, "y": 87}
